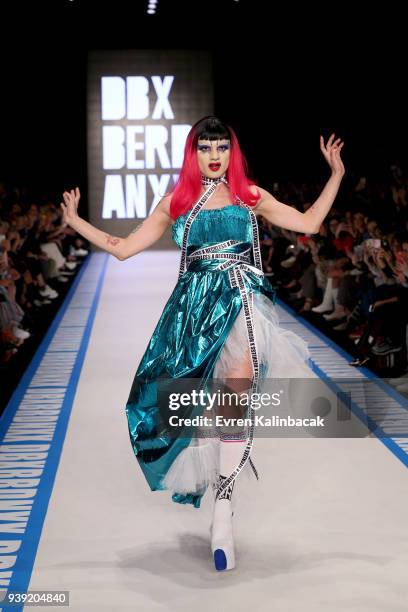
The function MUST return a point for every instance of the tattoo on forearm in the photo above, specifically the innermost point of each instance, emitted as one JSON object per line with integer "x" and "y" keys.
{"x": 112, "y": 240}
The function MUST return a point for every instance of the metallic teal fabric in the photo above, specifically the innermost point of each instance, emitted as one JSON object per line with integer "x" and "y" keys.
{"x": 188, "y": 338}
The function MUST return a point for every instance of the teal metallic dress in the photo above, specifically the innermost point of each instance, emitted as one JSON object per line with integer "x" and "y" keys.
{"x": 222, "y": 309}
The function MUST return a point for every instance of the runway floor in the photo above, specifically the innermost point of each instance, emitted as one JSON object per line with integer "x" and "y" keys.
{"x": 324, "y": 529}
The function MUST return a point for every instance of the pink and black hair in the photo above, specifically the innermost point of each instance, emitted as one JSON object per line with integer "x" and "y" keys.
{"x": 188, "y": 187}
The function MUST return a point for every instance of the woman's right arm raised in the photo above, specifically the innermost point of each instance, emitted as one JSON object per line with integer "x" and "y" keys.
{"x": 143, "y": 236}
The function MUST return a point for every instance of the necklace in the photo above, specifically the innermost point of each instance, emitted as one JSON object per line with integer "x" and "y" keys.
{"x": 206, "y": 180}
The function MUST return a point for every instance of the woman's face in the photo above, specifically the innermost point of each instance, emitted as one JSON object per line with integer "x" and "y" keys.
{"x": 213, "y": 152}
{"x": 21, "y": 222}
{"x": 358, "y": 219}
{"x": 333, "y": 223}
{"x": 373, "y": 229}
{"x": 395, "y": 245}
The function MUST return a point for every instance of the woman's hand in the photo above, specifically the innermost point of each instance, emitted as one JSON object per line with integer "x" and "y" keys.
{"x": 401, "y": 270}
{"x": 342, "y": 227}
{"x": 331, "y": 153}
{"x": 399, "y": 276}
{"x": 70, "y": 208}
{"x": 385, "y": 254}
{"x": 352, "y": 256}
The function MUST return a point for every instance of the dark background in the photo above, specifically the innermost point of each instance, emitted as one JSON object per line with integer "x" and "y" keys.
{"x": 282, "y": 76}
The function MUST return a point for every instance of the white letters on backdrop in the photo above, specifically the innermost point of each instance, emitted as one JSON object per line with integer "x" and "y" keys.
{"x": 141, "y": 147}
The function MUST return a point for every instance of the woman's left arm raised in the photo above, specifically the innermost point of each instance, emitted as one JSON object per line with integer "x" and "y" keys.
{"x": 309, "y": 222}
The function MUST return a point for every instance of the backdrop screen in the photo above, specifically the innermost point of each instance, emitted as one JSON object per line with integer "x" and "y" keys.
{"x": 141, "y": 106}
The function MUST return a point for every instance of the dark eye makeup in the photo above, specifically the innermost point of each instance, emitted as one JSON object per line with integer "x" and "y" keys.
{"x": 204, "y": 147}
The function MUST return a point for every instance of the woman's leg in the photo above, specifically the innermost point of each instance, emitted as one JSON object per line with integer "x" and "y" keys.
{"x": 233, "y": 441}
{"x": 328, "y": 298}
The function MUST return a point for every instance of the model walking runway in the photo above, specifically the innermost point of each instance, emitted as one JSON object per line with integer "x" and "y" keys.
{"x": 325, "y": 510}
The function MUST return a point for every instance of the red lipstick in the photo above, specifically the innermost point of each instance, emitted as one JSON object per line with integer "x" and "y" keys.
{"x": 214, "y": 167}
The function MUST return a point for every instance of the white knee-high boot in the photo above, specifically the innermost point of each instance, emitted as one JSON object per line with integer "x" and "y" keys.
{"x": 232, "y": 447}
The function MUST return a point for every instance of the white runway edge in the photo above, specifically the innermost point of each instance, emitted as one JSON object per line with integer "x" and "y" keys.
{"x": 324, "y": 529}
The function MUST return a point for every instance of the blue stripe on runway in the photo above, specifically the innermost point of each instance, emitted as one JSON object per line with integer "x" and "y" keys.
{"x": 398, "y": 444}
{"x": 77, "y": 314}
{"x": 22, "y": 528}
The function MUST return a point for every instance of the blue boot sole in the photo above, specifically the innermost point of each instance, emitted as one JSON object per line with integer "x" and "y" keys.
{"x": 220, "y": 560}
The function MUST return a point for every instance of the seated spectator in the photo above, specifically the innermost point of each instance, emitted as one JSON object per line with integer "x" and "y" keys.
{"x": 36, "y": 251}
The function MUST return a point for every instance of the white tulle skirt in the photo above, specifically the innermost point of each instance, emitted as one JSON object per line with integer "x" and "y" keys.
{"x": 282, "y": 355}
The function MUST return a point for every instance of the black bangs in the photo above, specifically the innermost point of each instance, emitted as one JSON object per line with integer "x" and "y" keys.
{"x": 211, "y": 128}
